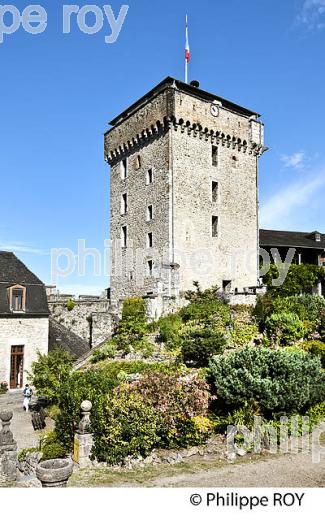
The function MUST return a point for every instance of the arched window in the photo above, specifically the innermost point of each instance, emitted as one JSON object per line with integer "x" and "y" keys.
{"x": 17, "y": 298}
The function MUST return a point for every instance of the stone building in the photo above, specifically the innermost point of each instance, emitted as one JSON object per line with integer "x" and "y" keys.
{"x": 184, "y": 197}
{"x": 24, "y": 319}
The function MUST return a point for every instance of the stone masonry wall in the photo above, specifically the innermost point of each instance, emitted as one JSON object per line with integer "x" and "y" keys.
{"x": 32, "y": 333}
{"x": 231, "y": 256}
{"x": 87, "y": 317}
{"x": 129, "y": 273}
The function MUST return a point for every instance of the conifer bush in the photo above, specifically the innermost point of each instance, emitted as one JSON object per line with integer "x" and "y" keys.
{"x": 274, "y": 381}
{"x": 284, "y": 328}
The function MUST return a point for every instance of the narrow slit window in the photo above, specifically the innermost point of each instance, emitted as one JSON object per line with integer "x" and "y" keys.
{"x": 234, "y": 161}
{"x": 124, "y": 203}
{"x": 124, "y": 169}
{"x": 215, "y": 191}
{"x": 214, "y": 226}
{"x": 150, "y": 176}
{"x": 150, "y": 267}
{"x": 149, "y": 240}
{"x": 124, "y": 236}
{"x": 215, "y": 153}
{"x": 150, "y": 212}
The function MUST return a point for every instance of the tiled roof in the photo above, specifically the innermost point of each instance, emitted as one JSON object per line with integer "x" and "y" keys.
{"x": 291, "y": 239}
{"x": 68, "y": 340}
{"x": 14, "y": 272}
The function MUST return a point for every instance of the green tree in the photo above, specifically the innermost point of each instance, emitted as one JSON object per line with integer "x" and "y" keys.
{"x": 200, "y": 342}
{"x": 300, "y": 279}
{"x": 50, "y": 371}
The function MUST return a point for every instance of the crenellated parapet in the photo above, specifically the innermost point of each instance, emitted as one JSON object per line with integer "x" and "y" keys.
{"x": 194, "y": 130}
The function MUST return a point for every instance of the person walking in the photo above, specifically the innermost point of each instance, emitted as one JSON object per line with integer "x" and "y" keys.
{"x": 28, "y": 392}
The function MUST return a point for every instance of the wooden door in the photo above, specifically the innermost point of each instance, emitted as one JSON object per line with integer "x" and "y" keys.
{"x": 17, "y": 366}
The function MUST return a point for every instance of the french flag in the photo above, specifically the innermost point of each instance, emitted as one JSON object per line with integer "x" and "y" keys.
{"x": 187, "y": 48}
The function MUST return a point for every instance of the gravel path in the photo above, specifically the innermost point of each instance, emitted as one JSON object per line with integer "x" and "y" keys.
{"x": 283, "y": 471}
{"x": 21, "y": 425}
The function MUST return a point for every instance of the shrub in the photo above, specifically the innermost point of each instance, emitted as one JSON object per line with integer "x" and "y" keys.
{"x": 322, "y": 325}
{"x": 108, "y": 351}
{"x": 51, "y": 447}
{"x": 124, "y": 426}
{"x": 207, "y": 310}
{"x": 90, "y": 384}
{"x": 315, "y": 348}
{"x": 70, "y": 305}
{"x": 242, "y": 334}
{"x": 308, "y": 307}
{"x": 300, "y": 279}
{"x": 22, "y": 454}
{"x": 133, "y": 327}
{"x": 284, "y": 328}
{"x": 275, "y": 381}
{"x": 52, "y": 411}
{"x": 316, "y": 414}
{"x": 197, "y": 295}
{"x": 193, "y": 432}
{"x": 243, "y": 416}
{"x": 199, "y": 343}
{"x": 264, "y": 307}
{"x": 169, "y": 330}
{"x": 50, "y": 371}
{"x": 177, "y": 400}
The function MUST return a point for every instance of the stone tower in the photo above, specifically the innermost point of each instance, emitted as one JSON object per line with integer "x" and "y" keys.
{"x": 184, "y": 196}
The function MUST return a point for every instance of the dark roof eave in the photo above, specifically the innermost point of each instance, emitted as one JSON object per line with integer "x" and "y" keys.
{"x": 190, "y": 89}
{"x": 25, "y": 315}
{"x": 319, "y": 248}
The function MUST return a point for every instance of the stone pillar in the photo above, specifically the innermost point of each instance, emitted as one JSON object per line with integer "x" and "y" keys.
{"x": 83, "y": 439}
{"x": 8, "y": 450}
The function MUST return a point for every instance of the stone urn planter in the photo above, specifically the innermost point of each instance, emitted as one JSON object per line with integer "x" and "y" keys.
{"x": 55, "y": 472}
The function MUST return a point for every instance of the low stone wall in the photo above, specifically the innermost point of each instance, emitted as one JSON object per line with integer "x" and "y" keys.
{"x": 242, "y": 299}
{"x": 216, "y": 446}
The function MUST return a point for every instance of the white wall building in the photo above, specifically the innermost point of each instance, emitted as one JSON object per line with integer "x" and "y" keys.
{"x": 24, "y": 320}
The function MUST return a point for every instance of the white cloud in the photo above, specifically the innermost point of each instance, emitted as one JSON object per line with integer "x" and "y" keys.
{"x": 295, "y": 160}
{"x": 312, "y": 14}
{"x": 18, "y": 247}
{"x": 280, "y": 209}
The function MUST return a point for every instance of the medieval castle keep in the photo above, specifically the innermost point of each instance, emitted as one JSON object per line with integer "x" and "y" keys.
{"x": 184, "y": 195}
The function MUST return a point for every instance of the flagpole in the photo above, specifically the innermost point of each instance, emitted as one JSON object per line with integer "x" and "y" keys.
{"x": 187, "y": 50}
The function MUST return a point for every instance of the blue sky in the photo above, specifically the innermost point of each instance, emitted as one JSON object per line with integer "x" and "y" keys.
{"x": 59, "y": 90}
